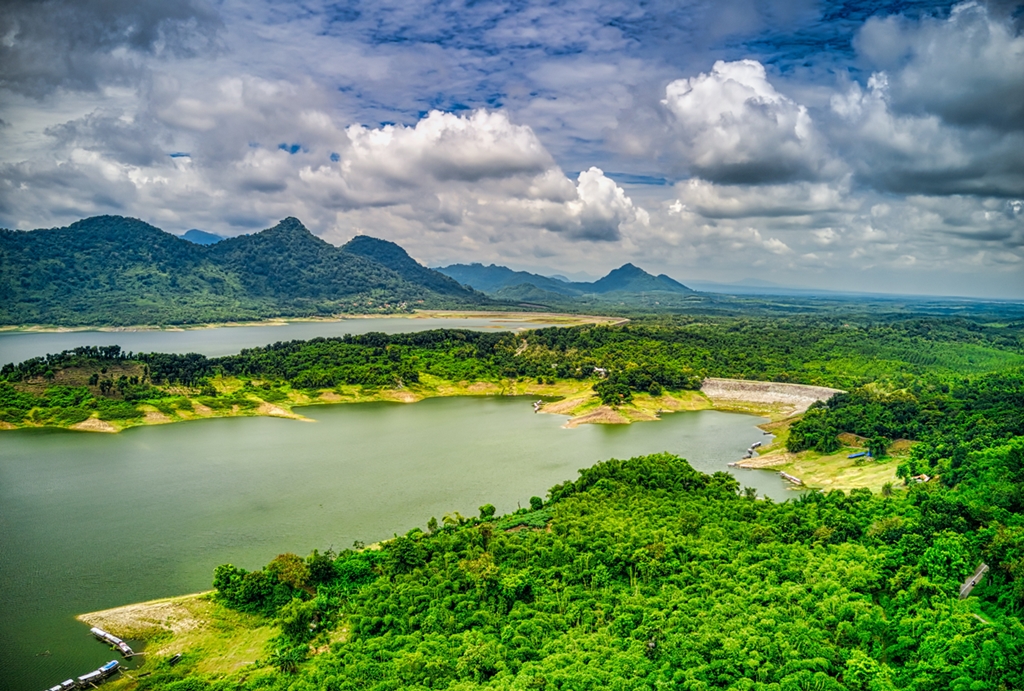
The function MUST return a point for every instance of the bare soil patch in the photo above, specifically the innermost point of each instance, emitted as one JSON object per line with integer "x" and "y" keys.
{"x": 795, "y": 398}
{"x": 94, "y": 425}
{"x": 155, "y": 417}
{"x": 147, "y": 619}
{"x": 401, "y": 396}
{"x": 563, "y": 407}
{"x": 769, "y": 460}
{"x": 851, "y": 439}
{"x": 603, "y": 415}
{"x": 273, "y": 410}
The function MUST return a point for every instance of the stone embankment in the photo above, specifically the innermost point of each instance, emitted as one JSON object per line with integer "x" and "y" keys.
{"x": 794, "y": 398}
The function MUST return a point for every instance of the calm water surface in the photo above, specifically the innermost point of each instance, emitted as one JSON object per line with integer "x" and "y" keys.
{"x": 90, "y": 521}
{"x": 228, "y": 340}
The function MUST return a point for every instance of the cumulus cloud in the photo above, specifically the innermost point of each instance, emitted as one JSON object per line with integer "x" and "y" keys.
{"x": 83, "y": 44}
{"x": 909, "y": 153}
{"x": 968, "y": 68}
{"x": 734, "y": 127}
{"x": 477, "y": 168}
{"x": 446, "y": 147}
{"x": 944, "y": 114}
{"x": 741, "y": 201}
{"x": 478, "y": 172}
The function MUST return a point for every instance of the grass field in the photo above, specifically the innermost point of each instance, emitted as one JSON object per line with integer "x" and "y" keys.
{"x": 211, "y": 638}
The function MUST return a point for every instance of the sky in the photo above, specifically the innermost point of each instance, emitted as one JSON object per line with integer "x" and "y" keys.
{"x": 867, "y": 146}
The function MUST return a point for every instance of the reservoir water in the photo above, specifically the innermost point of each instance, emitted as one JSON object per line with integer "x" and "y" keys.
{"x": 18, "y": 346}
{"x": 91, "y": 521}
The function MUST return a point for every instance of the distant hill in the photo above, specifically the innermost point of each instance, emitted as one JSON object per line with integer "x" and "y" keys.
{"x": 632, "y": 279}
{"x": 490, "y": 279}
{"x": 500, "y": 281}
{"x": 392, "y": 256}
{"x": 201, "y": 237}
{"x": 116, "y": 271}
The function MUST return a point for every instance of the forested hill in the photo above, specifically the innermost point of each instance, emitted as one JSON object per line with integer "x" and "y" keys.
{"x": 397, "y": 259}
{"x": 504, "y": 282}
{"x": 113, "y": 271}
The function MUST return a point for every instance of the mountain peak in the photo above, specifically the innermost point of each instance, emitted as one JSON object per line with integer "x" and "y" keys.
{"x": 632, "y": 278}
{"x": 394, "y": 257}
{"x": 289, "y": 225}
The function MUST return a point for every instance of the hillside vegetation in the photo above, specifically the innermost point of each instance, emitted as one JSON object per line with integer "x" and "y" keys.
{"x": 115, "y": 271}
{"x": 646, "y": 574}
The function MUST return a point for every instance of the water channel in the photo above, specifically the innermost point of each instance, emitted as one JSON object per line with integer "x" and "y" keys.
{"x": 18, "y": 346}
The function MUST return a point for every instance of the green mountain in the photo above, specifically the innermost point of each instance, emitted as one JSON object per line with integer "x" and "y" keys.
{"x": 632, "y": 279}
{"x": 398, "y": 260}
{"x": 492, "y": 278}
{"x": 116, "y": 271}
{"x": 501, "y": 281}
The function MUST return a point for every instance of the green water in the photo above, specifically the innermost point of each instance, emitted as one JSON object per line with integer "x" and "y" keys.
{"x": 91, "y": 521}
{"x": 18, "y": 346}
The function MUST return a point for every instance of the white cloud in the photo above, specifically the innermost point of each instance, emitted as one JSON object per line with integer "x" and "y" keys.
{"x": 909, "y": 153}
{"x": 733, "y": 126}
{"x": 747, "y": 201}
{"x": 446, "y": 147}
{"x": 944, "y": 112}
{"x": 968, "y": 68}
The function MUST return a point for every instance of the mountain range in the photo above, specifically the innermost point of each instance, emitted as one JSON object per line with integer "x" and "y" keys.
{"x": 502, "y": 282}
{"x": 117, "y": 271}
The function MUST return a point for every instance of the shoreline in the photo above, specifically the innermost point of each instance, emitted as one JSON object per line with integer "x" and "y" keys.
{"x": 524, "y": 317}
{"x": 575, "y": 399}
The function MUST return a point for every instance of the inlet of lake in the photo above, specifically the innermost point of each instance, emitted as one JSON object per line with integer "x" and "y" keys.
{"x": 90, "y": 521}
{"x": 18, "y": 346}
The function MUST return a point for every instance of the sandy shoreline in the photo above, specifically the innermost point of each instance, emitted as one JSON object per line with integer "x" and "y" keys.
{"x": 576, "y": 401}
{"x": 524, "y": 317}
{"x": 147, "y": 619}
{"x": 792, "y": 399}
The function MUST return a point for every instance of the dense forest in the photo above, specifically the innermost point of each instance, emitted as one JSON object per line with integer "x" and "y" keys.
{"x": 643, "y": 573}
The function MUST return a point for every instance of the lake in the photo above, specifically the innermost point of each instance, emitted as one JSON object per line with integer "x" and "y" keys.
{"x": 18, "y": 346}
{"x": 91, "y": 521}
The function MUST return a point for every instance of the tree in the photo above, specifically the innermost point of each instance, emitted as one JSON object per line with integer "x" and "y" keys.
{"x": 487, "y": 512}
{"x": 536, "y": 503}
{"x": 290, "y": 569}
{"x": 878, "y": 446}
